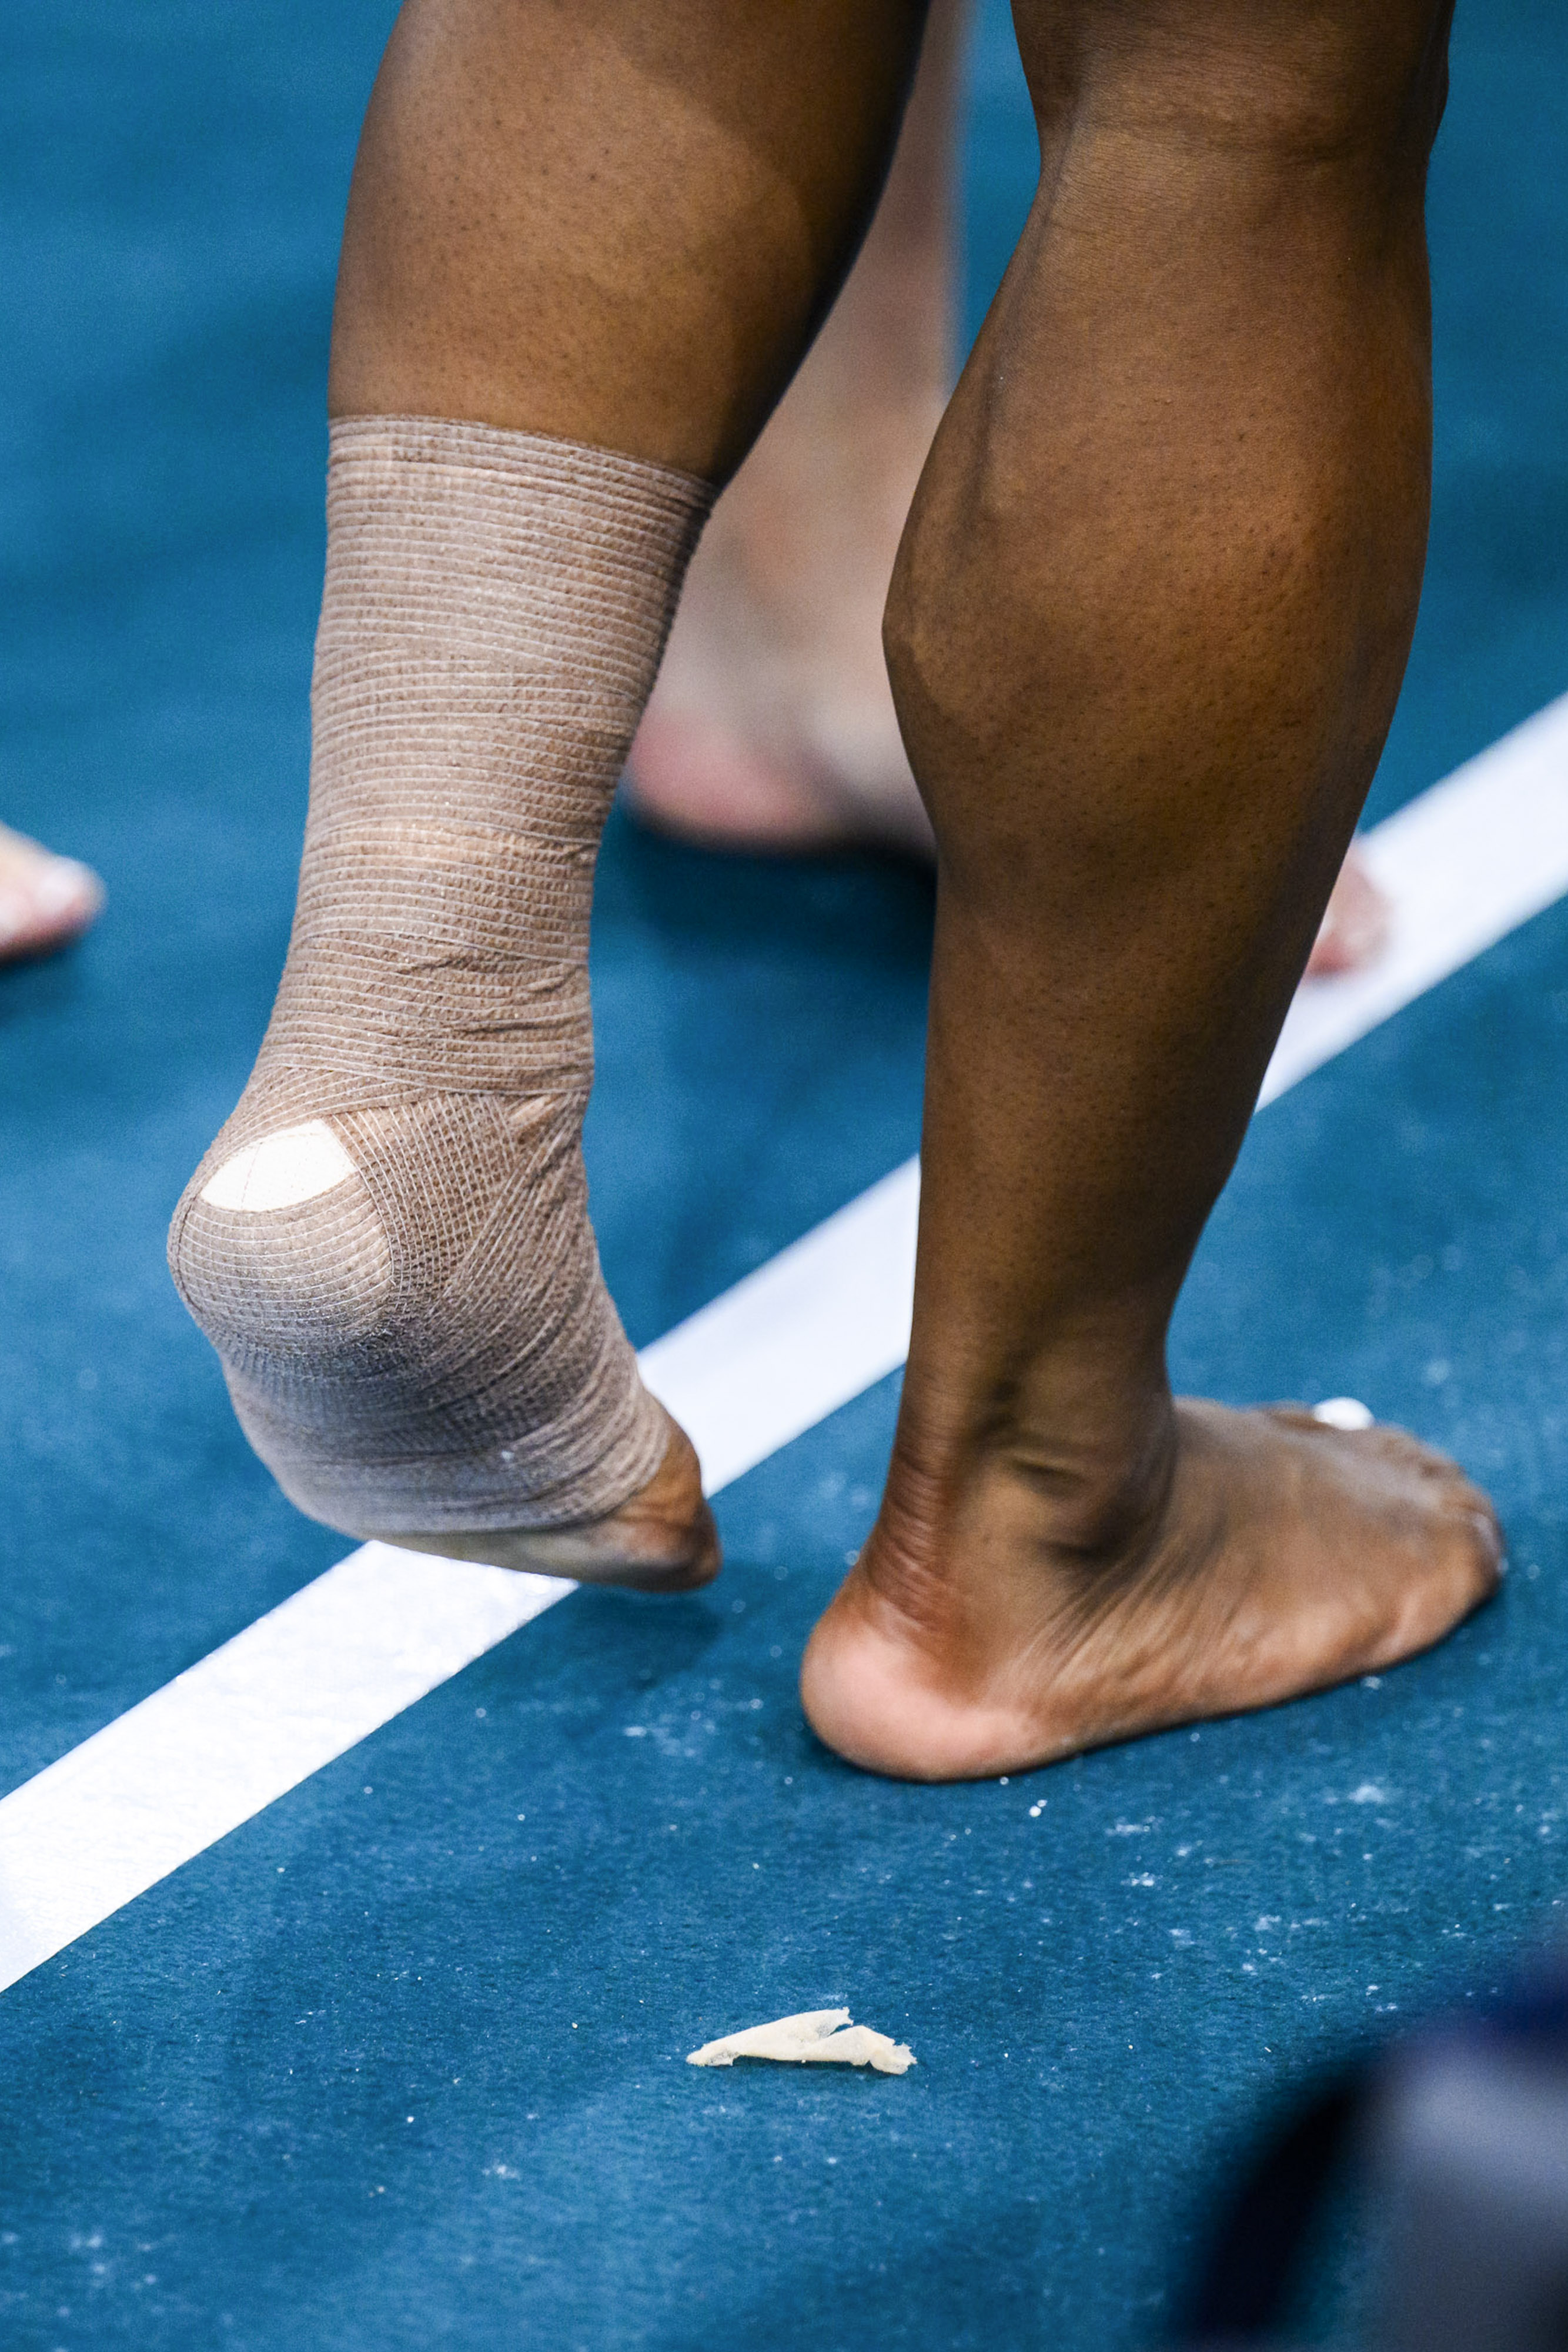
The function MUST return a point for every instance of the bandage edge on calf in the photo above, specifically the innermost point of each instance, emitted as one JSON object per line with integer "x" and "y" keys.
{"x": 494, "y": 607}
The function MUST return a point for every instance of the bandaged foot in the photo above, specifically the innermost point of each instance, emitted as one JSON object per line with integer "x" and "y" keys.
{"x": 388, "y": 1244}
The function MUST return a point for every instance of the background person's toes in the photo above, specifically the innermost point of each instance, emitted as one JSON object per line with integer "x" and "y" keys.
{"x": 46, "y": 901}
{"x": 1356, "y": 924}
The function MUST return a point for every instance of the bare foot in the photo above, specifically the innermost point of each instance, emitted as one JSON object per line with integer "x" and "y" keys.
{"x": 1286, "y": 1557}
{"x": 772, "y": 725}
{"x": 45, "y": 901}
{"x": 772, "y": 728}
{"x": 662, "y": 1541}
{"x": 778, "y": 788}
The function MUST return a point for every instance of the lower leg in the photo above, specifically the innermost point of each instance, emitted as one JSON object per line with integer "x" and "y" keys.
{"x": 1149, "y": 623}
{"x": 585, "y": 248}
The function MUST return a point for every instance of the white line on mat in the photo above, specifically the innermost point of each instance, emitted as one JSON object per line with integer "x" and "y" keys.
{"x": 233, "y": 1733}
{"x": 819, "y": 1324}
{"x": 1465, "y": 863}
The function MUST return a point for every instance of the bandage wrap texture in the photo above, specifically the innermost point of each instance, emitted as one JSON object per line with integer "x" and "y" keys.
{"x": 428, "y": 1344}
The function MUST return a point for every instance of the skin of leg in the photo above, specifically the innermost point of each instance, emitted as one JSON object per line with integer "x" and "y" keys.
{"x": 1148, "y": 625}
{"x": 622, "y": 227}
{"x": 609, "y": 223}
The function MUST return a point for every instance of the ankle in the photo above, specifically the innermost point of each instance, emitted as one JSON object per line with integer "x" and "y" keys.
{"x": 1082, "y": 1501}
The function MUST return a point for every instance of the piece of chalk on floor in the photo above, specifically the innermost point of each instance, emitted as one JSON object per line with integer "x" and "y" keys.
{"x": 817, "y": 2037}
{"x": 1343, "y": 1413}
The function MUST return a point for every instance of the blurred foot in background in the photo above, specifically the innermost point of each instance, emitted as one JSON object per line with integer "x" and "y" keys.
{"x": 772, "y": 726}
{"x": 45, "y": 901}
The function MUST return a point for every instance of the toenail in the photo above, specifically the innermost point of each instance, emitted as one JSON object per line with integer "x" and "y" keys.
{"x": 59, "y": 886}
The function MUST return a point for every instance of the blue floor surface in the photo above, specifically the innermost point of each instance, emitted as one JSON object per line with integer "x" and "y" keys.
{"x": 399, "y": 2063}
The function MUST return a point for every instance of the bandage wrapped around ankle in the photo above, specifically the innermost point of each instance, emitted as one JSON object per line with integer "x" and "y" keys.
{"x": 388, "y": 1243}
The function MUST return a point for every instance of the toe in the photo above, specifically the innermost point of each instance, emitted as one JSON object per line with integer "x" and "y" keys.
{"x": 45, "y": 900}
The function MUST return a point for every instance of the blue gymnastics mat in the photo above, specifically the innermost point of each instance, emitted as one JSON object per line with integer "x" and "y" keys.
{"x": 399, "y": 2063}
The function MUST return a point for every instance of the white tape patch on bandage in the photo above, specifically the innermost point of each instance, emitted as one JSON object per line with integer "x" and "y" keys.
{"x": 296, "y": 1164}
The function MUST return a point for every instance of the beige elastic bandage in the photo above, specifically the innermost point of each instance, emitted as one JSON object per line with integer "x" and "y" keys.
{"x": 389, "y": 1243}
